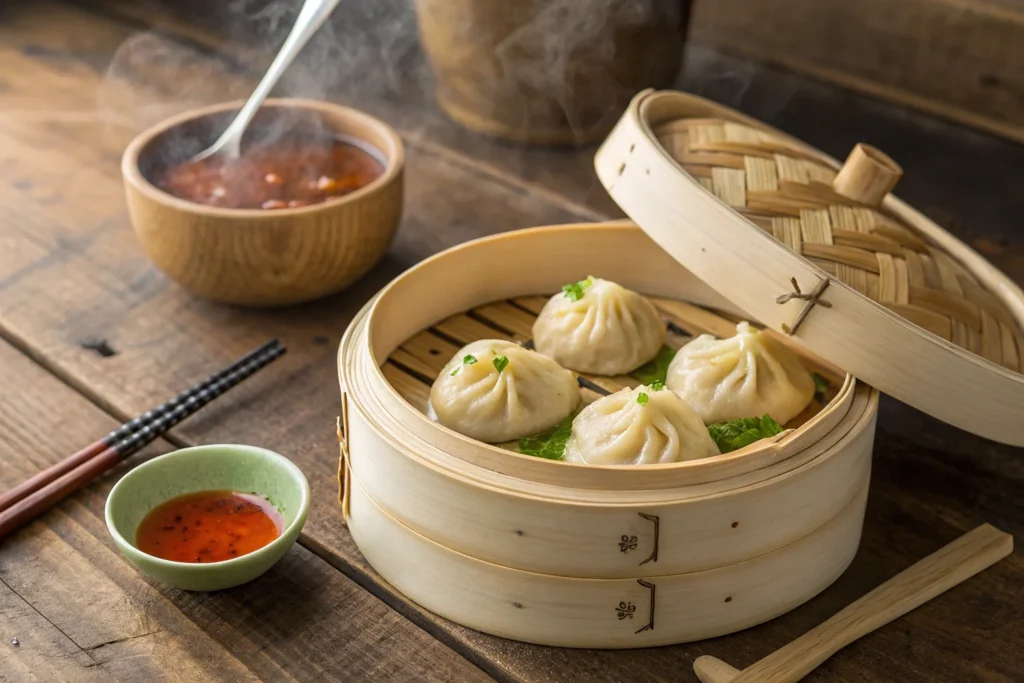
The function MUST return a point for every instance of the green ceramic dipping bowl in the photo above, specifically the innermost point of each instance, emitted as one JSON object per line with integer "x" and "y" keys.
{"x": 208, "y": 468}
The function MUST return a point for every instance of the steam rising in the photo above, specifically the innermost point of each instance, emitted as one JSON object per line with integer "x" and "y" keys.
{"x": 152, "y": 77}
{"x": 356, "y": 56}
{"x": 369, "y": 55}
{"x": 568, "y": 49}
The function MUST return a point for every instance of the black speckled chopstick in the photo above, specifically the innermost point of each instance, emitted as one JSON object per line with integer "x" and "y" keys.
{"x": 40, "y": 492}
{"x": 37, "y": 481}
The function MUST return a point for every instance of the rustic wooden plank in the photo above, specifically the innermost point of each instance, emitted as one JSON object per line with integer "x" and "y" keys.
{"x": 80, "y": 612}
{"x": 43, "y": 653}
{"x": 918, "y": 501}
{"x": 110, "y": 627}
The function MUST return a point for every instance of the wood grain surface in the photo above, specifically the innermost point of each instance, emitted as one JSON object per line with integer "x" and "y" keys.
{"x": 77, "y": 82}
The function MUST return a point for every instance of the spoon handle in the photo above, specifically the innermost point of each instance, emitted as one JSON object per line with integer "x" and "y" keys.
{"x": 911, "y": 588}
{"x": 311, "y": 17}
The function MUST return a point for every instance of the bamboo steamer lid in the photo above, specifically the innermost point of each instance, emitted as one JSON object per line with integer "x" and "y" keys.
{"x": 822, "y": 252}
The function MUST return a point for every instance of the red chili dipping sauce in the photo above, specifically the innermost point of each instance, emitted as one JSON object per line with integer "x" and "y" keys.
{"x": 209, "y": 526}
{"x": 280, "y": 175}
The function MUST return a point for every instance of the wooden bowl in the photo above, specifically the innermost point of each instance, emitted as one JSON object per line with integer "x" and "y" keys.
{"x": 255, "y": 257}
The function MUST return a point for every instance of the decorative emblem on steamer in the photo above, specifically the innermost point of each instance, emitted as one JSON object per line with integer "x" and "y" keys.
{"x": 627, "y": 543}
{"x": 626, "y": 609}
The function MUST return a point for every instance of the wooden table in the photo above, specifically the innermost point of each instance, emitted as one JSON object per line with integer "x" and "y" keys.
{"x": 77, "y": 82}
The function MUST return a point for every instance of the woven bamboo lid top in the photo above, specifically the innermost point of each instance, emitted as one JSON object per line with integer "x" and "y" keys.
{"x": 799, "y": 199}
{"x": 854, "y": 256}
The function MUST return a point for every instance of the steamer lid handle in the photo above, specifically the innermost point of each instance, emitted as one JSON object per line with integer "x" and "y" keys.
{"x": 867, "y": 176}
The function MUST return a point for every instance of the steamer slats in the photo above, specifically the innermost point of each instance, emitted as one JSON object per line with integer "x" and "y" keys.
{"x": 694, "y": 319}
{"x": 430, "y": 349}
{"x": 422, "y": 366}
{"x": 534, "y": 304}
{"x": 509, "y": 317}
{"x": 411, "y": 389}
{"x": 464, "y": 329}
{"x": 612, "y": 384}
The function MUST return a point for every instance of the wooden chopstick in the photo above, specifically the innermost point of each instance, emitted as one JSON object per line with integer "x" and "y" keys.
{"x": 41, "y": 479}
{"x": 928, "y": 578}
{"x": 42, "y": 499}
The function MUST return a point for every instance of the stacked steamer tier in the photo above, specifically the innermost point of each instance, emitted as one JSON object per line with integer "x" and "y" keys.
{"x": 634, "y": 556}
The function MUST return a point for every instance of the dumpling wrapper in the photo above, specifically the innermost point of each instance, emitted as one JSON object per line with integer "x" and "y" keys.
{"x": 747, "y": 375}
{"x": 618, "y": 430}
{"x": 530, "y": 394}
{"x": 610, "y": 330}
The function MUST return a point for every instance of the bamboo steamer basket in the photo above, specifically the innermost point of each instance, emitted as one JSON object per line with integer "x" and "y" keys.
{"x": 498, "y": 525}
{"x": 564, "y": 554}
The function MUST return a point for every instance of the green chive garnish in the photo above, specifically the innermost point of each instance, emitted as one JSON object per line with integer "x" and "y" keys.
{"x": 574, "y": 291}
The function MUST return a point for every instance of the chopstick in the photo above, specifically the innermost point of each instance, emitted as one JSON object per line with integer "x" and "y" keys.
{"x": 43, "y": 498}
{"x": 40, "y": 479}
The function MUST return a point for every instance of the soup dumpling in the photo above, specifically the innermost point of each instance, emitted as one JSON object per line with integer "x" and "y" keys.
{"x": 642, "y": 426}
{"x": 747, "y": 375}
{"x": 495, "y": 391}
{"x": 599, "y": 327}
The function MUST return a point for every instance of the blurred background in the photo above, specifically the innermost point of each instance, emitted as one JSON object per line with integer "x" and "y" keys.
{"x": 517, "y": 87}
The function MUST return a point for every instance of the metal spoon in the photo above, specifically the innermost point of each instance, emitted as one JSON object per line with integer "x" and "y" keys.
{"x": 311, "y": 17}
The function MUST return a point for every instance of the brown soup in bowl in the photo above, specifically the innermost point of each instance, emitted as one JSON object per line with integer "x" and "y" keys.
{"x": 286, "y": 173}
